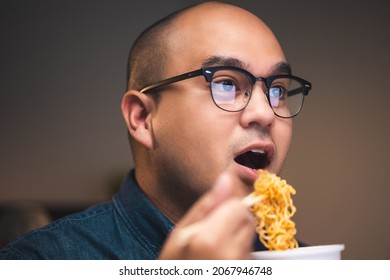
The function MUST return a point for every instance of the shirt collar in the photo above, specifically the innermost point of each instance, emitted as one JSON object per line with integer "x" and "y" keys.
{"x": 149, "y": 225}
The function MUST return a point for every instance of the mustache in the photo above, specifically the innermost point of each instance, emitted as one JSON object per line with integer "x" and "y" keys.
{"x": 251, "y": 136}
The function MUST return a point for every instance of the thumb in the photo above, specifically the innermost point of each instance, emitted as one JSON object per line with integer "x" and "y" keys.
{"x": 222, "y": 189}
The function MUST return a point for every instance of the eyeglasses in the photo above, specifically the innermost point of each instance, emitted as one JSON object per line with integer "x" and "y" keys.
{"x": 231, "y": 89}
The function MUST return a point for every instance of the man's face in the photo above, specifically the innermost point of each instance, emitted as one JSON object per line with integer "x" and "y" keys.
{"x": 195, "y": 140}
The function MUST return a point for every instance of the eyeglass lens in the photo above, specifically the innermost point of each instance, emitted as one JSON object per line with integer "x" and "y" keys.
{"x": 231, "y": 91}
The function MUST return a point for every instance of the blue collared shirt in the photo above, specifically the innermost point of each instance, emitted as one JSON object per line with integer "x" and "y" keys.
{"x": 128, "y": 227}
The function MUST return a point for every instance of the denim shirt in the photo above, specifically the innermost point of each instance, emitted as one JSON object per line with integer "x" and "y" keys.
{"x": 128, "y": 227}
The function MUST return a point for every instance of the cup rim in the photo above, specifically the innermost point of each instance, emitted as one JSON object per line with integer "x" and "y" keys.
{"x": 303, "y": 251}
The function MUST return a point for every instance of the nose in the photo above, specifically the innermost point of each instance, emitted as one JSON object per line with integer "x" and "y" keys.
{"x": 258, "y": 111}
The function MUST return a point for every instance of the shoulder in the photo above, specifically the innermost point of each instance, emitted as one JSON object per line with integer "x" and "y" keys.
{"x": 76, "y": 236}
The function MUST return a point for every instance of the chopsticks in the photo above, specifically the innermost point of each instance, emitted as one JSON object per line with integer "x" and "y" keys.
{"x": 187, "y": 232}
{"x": 251, "y": 199}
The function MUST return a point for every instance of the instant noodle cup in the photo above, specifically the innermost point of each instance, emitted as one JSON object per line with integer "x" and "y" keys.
{"x": 321, "y": 252}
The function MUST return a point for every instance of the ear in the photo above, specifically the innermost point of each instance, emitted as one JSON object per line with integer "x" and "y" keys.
{"x": 136, "y": 110}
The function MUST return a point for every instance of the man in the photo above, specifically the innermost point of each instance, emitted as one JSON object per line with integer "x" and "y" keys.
{"x": 200, "y": 123}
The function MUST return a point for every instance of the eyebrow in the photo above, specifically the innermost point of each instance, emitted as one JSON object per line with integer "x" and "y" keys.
{"x": 223, "y": 61}
{"x": 279, "y": 68}
{"x": 282, "y": 68}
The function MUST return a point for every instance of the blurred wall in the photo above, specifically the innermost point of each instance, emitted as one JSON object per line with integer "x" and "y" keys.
{"x": 63, "y": 72}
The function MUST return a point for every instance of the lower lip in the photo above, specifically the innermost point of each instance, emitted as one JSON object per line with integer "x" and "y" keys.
{"x": 247, "y": 174}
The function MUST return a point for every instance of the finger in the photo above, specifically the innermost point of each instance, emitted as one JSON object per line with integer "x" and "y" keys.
{"x": 227, "y": 233}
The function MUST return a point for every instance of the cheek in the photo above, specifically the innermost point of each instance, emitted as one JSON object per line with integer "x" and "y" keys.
{"x": 189, "y": 154}
{"x": 189, "y": 133}
{"x": 282, "y": 135}
{"x": 191, "y": 120}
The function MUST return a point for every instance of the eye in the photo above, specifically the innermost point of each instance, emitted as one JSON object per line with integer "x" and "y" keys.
{"x": 228, "y": 85}
{"x": 225, "y": 85}
{"x": 277, "y": 92}
{"x": 224, "y": 91}
{"x": 277, "y": 96}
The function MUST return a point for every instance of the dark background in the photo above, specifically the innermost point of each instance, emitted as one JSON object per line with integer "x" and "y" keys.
{"x": 63, "y": 142}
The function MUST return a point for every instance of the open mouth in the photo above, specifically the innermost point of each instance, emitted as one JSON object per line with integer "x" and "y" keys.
{"x": 254, "y": 159}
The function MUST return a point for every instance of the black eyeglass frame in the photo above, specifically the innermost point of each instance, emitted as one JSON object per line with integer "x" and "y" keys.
{"x": 208, "y": 73}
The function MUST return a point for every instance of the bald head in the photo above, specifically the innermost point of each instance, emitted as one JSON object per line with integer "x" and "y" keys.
{"x": 148, "y": 54}
{"x": 167, "y": 40}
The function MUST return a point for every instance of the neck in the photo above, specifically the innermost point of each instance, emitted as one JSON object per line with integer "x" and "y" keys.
{"x": 170, "y": 202}
{"x": 172, "y": 214}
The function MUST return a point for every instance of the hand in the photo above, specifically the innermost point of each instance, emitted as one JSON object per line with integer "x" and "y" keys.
{"x": 225, "y": 227}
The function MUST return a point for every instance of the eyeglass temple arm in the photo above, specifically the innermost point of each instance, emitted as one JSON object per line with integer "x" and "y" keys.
{"x": 299, "y": 90}
{"x": 172, "y": 80}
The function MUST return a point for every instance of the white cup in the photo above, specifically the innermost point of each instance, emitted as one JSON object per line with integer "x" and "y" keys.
{"x": 321, "y": 252}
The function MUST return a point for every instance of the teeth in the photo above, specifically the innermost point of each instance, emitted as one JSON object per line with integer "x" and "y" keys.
{"x": 259, "y": 151}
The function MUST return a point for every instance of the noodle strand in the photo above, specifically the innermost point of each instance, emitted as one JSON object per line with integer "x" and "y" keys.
{"x": 274, "y": 211}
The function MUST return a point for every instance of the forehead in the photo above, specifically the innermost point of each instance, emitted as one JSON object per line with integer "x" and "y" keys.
{"x": 222, "y": 31}
{"x": 278, "y": 68}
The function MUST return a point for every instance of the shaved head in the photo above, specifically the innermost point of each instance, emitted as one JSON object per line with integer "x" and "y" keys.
{"x": 152, "y": 49}
{"x": 149, "y": 53}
